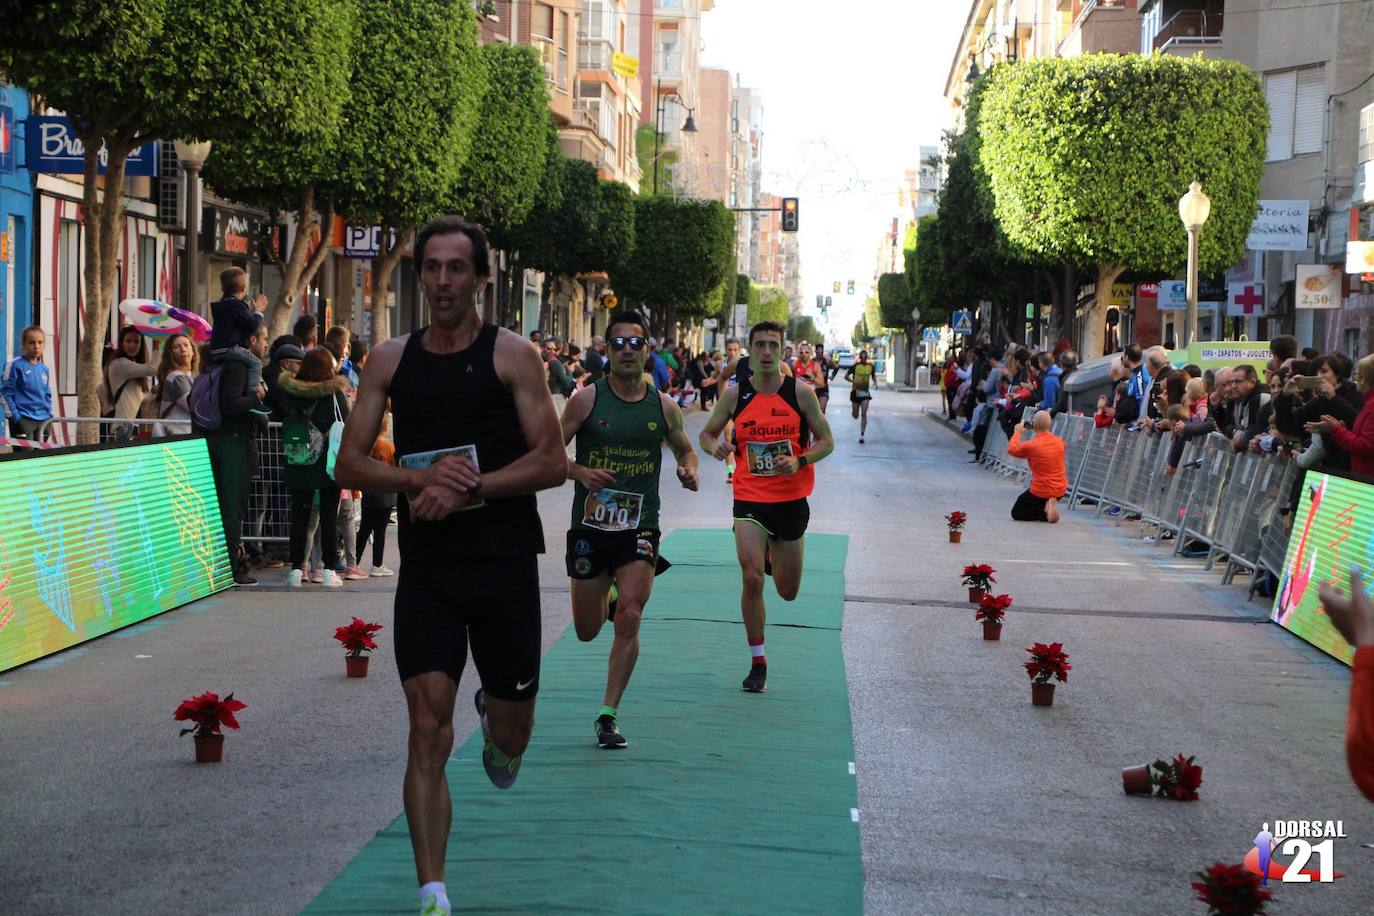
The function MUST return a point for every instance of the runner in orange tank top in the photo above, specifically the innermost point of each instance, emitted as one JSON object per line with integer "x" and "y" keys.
{"x": 780, "y": 433}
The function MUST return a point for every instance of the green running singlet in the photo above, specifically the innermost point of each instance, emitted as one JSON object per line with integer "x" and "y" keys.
{"x": 625, "y": 437}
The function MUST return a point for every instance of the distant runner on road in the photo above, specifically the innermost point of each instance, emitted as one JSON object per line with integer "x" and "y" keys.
{"x": 476, "y": 435}
{"x": 620, "y": 424}
{"x": 861, "y": 374}
{"x": 780, "y": 433}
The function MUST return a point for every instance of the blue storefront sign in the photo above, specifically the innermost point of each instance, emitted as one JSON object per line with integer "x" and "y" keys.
{"x": 55, "y": 149}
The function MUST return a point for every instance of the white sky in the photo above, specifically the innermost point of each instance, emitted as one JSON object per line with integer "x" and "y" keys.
{"x": 850, "y": 91}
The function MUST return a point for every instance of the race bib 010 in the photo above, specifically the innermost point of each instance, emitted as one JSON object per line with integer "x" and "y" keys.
{"x": 612, "y": 510}
{"x": 763, "y": 456}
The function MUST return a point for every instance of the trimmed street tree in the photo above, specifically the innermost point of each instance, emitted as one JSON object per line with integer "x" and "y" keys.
{"x": 291, "y": 165}
{"x": 141, "y": 70}
{"x": 895, "y": 301}
{"x": 682, "y": 252}
{"x": 498, "y": 181}
{"x": 803, "y": 327}
{"x": 767, "y": 303}
{"x": 532, "y": 240}
{"x": 418, "y": 80}
{"x": 1087, "y": 157}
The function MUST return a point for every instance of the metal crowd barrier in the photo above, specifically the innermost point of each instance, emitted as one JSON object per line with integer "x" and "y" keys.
{"x": 267, "y": 520}
{"x": 1230, "y": 504}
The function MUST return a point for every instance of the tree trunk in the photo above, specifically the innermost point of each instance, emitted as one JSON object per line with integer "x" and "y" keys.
{"x": 103, "y": 215}
{"x": 382, "y": 269}
{"x": 1094, "y": 325}
{"x": 301, "y": 264}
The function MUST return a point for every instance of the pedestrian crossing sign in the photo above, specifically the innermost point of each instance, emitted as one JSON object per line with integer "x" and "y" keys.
{"x": 931, "y": 335}
{"x": 962, "y": 322}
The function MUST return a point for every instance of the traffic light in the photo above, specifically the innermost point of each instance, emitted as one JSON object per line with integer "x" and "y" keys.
{"x": 827, "y": 302}
{"x": 789, "y": 214}
{"x": 837, "y": 286}
{"x": 851, "y": 287}
{"x": 820, "y": 301}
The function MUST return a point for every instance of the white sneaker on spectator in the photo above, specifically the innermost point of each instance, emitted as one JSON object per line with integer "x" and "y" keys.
{"x": 330, "y": 579}
{"x": 381, "y": 571}
{"x": 354, "y": 573}
{"x": 293, "y": 579}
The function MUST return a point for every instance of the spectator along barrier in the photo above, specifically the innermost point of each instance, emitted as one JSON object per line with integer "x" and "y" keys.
{"x": 1221, "y": 504}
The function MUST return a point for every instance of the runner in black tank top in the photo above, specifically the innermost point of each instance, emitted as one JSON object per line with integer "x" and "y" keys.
{"x": 469, "y": 528}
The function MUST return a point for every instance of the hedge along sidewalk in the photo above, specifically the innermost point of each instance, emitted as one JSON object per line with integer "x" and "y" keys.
{"x": 723, "y": 802}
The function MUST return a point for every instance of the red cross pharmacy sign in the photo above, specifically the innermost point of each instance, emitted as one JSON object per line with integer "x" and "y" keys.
{"x": 1245, "y": 300}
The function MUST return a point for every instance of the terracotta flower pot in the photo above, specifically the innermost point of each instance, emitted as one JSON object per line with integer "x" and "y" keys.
{"x": 975, "y": 595}
{"x": 1136, "y": 780}
{"x": 209, "y": 748}
{"x": 1042, "y": 694}
{"x": 956, "y": 536}
{"x": 356, "y": 665}
{"x": 992, "y": 631}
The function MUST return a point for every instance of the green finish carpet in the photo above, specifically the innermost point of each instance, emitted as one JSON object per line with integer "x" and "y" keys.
{"x": 723, "y": 802}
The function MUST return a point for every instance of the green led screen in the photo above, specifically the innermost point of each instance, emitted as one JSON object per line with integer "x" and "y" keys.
{"x": 1334, "y": 529}
{"x": 91, "y": 541}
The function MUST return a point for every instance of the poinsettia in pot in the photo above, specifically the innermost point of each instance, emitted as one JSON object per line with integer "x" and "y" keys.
{"x": 1231, "y": 890}
{"x": 1177, "y": 779}
{"x": 990, "y": 611}
{"x": 209, "y": 712}
{"x": 357, "y": 639}
{"x": 1047, "y": 661}
{"x": 956, "y": 521}
{"x": 978, "y": 576}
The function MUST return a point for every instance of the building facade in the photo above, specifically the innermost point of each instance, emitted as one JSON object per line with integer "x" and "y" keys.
{"x": 668, "y": 35}
{"x": 16, "y": 223}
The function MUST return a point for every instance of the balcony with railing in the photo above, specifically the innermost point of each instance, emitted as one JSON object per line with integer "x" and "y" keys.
{"x": 594, "y": 55}
{"x": 1188, "y": 31}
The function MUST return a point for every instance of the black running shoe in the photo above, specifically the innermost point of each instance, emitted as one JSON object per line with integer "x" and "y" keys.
{"x": 607, "y": 735}
{"x": 758, "y": 675}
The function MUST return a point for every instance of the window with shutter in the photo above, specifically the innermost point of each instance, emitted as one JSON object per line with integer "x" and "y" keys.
{"x": 1309, "y": 114}
{"x": 1279, "y": 89}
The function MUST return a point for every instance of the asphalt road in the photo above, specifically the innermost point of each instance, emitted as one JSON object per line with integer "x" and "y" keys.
{"x": 971, "y": 800}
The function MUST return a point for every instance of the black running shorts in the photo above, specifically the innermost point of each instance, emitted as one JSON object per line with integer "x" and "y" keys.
{"x": 785, "y": 521}
{"x": 592, "y": 553}
{"x": 491, "y": 603}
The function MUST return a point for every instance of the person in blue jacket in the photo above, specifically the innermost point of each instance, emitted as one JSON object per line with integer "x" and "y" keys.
{"x": 1049, "y": 385}
{"x": 27, "y": 387}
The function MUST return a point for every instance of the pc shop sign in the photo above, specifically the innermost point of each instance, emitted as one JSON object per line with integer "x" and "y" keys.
{"x": 54, "y": 149}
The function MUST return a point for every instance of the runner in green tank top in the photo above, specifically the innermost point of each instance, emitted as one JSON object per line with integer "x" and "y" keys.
{"x": 620, "y": 424}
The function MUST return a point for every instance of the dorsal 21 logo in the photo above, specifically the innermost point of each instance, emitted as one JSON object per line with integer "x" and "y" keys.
{"x": 1303, "y": 841}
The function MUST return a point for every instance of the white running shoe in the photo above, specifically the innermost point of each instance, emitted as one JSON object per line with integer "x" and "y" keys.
{"x": 381, "y": 571}
{"x": 331, "y": 579}
{"x": 293, "y": 579}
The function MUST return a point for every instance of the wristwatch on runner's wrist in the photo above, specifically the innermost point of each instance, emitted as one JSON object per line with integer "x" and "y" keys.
{"x": 801, "y": 462}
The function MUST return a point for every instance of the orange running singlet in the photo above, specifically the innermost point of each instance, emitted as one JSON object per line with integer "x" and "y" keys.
{"x": 768, "y": 426}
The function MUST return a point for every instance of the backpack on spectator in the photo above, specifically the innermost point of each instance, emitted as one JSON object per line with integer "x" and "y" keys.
{"x": 204, "y": 397}
{"x": 301, "y": 440}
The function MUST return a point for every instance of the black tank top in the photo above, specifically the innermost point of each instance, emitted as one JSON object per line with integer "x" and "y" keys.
{"x": 444, "y": 400}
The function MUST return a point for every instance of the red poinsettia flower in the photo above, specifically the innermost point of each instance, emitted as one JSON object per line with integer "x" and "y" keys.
{"x": 979, "y": 575}
{"x": 1231, "y": 890}
{"x": 209, "y": 712}
{"x": 1178, "y": 779}
{"x": 357, "y": 636}
{"x": 1048, "y": 661}
{"x": 992, "y": 608}
{"x": 956, "y": 520}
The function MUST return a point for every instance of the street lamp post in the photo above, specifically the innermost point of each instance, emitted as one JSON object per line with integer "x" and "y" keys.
{"x": 690, "y": 127}
{"x": 1193, "y": 208}
{"x": 192, "y": 155}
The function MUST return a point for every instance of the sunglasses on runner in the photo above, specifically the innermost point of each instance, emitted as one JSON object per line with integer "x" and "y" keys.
{"x": 636, "y": 343}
